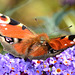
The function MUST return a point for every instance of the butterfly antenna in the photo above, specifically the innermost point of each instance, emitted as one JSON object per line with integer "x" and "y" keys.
{"x": 38, "y": 23}
{"x": 36, "y": 20}
{"x": 67, "y": 27}
{"x": 62, "y": 29}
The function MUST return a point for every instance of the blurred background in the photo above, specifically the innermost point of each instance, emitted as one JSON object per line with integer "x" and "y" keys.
{"x": 42, "y": 16}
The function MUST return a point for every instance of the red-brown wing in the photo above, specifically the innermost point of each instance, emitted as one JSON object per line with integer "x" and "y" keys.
{"x": 15, "y": 36}
{"x": 62, "y": 42}
{"x": 14, "y": 29}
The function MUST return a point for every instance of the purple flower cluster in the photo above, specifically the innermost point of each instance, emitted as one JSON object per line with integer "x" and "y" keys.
{"x": 62, "y": 64}
{"x": 69, "y": 2}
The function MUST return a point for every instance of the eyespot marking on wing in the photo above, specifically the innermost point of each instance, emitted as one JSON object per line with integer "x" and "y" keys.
{"x": 12, "y": 40}
{"x": 9, "y": 40}
{"x": 4, "y": 19}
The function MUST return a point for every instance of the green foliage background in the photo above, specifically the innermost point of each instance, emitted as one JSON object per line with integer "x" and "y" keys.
{"x": 51, "y": 15}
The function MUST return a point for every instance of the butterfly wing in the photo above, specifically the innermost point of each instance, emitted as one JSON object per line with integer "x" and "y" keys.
{"x": 62, "y": 42}
{"x": 14, "y": 29}
{"x": 14, "y": 36}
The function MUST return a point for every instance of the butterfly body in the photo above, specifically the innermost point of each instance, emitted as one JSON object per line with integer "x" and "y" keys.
{"x": 22, "y": 42}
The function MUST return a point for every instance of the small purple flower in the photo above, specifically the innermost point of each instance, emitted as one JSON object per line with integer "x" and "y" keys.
{"x": 56, "y": 71}
{"x": 64, "y": 63}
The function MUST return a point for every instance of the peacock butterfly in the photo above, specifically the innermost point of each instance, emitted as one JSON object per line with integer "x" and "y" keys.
{"x": 19, "y": 40}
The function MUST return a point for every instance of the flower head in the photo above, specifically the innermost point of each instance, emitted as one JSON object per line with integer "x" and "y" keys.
{"x": 59, "y": 65}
